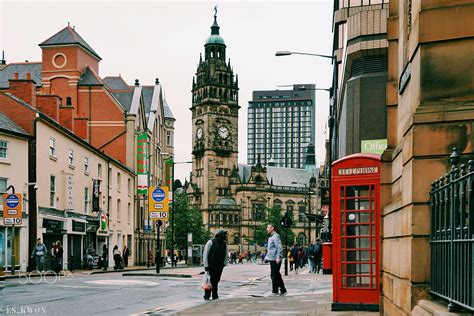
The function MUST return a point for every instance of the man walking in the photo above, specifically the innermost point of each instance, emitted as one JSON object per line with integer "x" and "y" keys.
{"x": 215, "y": 258}
{"x": 39, "y": 252}
{"x": 274, "y": 250}
{"x": 310, "y": 256}
{"x": 318, "y": 254}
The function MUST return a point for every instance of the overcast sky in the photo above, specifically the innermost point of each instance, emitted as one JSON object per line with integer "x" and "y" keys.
{"x": 162, "y": 39}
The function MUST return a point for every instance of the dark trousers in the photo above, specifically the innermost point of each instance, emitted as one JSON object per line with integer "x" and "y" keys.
{"x": 215, "y": 274}
{"x": 125, "y": 261}
{"x": 277, "y": 281}
{"x": 317, "y": 263}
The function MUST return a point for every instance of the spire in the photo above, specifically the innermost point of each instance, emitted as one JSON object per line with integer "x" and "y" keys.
{"x": 215, "y": 27}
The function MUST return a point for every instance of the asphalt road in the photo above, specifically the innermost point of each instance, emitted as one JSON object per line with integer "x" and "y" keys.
{"x": 114, "y": 294}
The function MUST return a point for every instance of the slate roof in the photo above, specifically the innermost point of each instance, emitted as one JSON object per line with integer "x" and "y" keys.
{"x": 9, "y": 125}
{"x": 280, "y": 176}
{"x": 68, "y": 35}
{"x": 226, "y": 201}
{"x": 124, "y": 98}
{"x": 116, "y": 83}
{"x": 167, "y": 110}
{"x": 147, "y": 94}
{"x": 21, "y": 68}
{"x": 89, "y": 78}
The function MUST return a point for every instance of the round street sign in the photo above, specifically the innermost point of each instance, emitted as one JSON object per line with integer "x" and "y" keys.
{"x": 158, "y": 195}
{"x": 12, "y": 201}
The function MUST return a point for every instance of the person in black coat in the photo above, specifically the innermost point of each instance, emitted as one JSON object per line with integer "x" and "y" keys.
{"x": 215, "y": 259}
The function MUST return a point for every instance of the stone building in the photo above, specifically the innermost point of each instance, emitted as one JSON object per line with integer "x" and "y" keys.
{"x": 232, "y": 196}
{"x": 430, "y": 98}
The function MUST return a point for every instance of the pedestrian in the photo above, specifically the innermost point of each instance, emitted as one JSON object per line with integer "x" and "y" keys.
{"x": 105, "y": 256}
{"x": 310, "y": 256}
{"x": 318, "y": 254}
{"x": 274, "y": 251}
{"x": 58, "y": 257}
{"x": 215, "y": 260}
{"x": 117, "y": 258}
{"x": 294, "y": 255}
{"x": 301, "y": 258}
{"x": 39, "y": 252}
{"x": 125, "y": 254}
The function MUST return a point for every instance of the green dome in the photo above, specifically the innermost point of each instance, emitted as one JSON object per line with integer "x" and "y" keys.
{"x": 215, "y": 39}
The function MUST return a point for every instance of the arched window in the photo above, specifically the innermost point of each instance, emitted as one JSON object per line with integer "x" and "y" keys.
{"x": 68, "y": 101}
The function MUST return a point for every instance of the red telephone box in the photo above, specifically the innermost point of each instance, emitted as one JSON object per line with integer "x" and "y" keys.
{"x": 356, "y": 232}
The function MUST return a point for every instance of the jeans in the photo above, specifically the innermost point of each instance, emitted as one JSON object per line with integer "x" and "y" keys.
{"x": 40, "y": 263}
{"x": 310, "y": 265}
{"x": 277, "y": 281}
{"x": 215, "y": 274}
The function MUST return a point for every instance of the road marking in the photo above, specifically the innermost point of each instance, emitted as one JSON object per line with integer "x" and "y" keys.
{"x": 122, "y": 282}
{"x": 171, "y": 307}
{"x": 76, "y": 286}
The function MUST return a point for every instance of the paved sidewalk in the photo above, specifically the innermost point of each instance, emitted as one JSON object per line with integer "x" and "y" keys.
{"x": 308, "y": 294}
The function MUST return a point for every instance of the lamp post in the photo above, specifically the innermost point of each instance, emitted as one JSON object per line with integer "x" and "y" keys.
{"x": 331, "y": 121}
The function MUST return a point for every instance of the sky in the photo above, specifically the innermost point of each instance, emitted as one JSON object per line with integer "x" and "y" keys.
{"x": 162, "y": 39}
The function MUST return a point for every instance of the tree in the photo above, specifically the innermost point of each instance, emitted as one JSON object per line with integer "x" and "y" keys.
{"x": 187, "y": 219}
{"x": 274, "y": 217}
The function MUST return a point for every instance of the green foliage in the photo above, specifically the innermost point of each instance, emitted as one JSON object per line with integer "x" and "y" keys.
{"x": 274, "y": 216}
{"x": 187, "y": 219}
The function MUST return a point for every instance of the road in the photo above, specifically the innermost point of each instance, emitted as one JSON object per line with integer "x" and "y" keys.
{"x": 114, "y": 294}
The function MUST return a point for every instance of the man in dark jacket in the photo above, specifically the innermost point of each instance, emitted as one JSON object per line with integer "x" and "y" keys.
{"x": 215, "y": 258}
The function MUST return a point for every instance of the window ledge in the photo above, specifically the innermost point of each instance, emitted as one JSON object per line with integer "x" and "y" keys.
{"x": 86, "y": 173}
{"x": 72, "y": 167}
{"x": 5, "y": 161}
{"x": 53, "y": 158}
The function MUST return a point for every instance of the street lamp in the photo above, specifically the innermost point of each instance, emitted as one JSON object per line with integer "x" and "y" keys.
{"x": 332, "y": 119}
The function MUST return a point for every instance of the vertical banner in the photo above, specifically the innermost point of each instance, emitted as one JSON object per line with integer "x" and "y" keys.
{"x": 142, "y": 163}
{"x": 169, "y": 173}
{"x": 95, "y": 195}
{"x": 69, "y": 192}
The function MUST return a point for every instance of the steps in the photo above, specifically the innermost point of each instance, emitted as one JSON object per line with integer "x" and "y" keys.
{"x": 433, "y": 308}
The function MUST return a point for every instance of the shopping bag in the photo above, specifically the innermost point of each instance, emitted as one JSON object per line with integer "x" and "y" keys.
{"x": 206, "y": 282}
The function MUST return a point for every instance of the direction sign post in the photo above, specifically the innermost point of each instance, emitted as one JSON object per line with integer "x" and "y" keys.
{"x": 12, "y": 213}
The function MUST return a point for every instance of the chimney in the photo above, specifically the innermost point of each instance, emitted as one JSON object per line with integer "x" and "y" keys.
{"x": 24, "y": 89}
{"x": 66, "y": 116}
{"x": 49, "y": 105}
{"x": 3, "y": 62}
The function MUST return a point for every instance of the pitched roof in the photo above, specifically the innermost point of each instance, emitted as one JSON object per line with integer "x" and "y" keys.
{"x": 147, "y": 94}
{"x": 89, "y": 77}
{"x": 116, "y": 83}
{"x": 22, "y": 69}
{"x": 9, "y": 125}
{"x": 124, "y": 98}
{"x": 68, "y": 35}
{"x": 281, "y": 176}
{"x": 167, "y": 110}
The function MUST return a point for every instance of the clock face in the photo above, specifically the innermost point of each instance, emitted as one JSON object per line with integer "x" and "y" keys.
{"x": 223, "y": 132}
{"x": 199, "y": 133}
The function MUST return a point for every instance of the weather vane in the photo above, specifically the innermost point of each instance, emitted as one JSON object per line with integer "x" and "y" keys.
{"x": 215, "y": 11}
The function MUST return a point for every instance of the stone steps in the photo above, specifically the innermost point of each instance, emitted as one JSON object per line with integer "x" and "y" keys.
{"x": 433, "y": 308}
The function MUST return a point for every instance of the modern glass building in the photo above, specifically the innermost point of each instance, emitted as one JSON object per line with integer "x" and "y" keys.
{"x": 281, "y": 124}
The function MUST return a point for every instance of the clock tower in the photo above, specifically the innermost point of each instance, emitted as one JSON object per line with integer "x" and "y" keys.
{"x": 215, "y": 111}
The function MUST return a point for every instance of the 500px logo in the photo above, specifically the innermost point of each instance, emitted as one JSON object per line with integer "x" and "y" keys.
{"x": 37, "y": 277}
{"x": 25, "y": 309}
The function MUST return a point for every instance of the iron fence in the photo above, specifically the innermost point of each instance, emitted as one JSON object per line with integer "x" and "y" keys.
{"x": 452, "y": 235}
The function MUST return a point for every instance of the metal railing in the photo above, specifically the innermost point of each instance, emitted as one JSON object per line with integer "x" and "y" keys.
{"x": 452, "y": 235}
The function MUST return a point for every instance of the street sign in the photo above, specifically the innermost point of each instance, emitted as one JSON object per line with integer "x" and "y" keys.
{"x": 12, "y": 208}
{"x": 12, "y": 221}
{"x": 158, "y": 203}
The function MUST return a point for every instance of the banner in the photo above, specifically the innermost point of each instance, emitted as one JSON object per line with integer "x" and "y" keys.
{"x": 169, "y": 173}
{"x": 142, "y": 163}
{"x": 69, "y": 192}
{"x": 95, "y": 195}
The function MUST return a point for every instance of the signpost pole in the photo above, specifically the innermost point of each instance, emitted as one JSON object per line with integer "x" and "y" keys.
{"x": 12, "y": 260}
{"x": 158, "y": 251}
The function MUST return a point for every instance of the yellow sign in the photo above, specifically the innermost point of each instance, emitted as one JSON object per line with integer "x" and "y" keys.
{"x": 158, "y": 203}
{"x": 12, "y": 209}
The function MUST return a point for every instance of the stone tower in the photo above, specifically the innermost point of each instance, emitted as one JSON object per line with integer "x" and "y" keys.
{"x": 215, "y": 113}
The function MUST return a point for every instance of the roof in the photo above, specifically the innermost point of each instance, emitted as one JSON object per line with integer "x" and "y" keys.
{"x": 226, "y": 201}
{"x": 147, "y": 94}
{"x": 167, "y": 110}
{"x": 8, "y": 125}
{"x": 68, "y": 35}
{"x": 124, "y": 98}
{"x": 280, "y": 176}
{"x": 22, "y": 69}
{"x": 89, "y": 77}
{"x": 116, "y": 83}
{"x": 215, "y": 39}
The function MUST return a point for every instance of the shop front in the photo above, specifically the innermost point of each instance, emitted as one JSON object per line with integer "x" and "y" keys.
{"x": 53, "y": 231}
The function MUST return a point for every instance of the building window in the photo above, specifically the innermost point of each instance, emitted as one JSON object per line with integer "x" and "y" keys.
{"x": 119, "y": 181}
{"x": 3, "y": 149}
{"x": 86, "y": 164}
{"x": 110, "y": 178}
{"x": 289, "y": 211}
{"x": 52, "y": 147}
{"x": 86, "y": 200}
{"x": 129, "y": 186}
{"x": 129, "y": 213}
{"x": 119, "y": 211}
{"x": 52, "y": 190}
{"x": 3, "y": 188}
{"x": 71, "y": 157}
{"x": 168, "y": 138}
{"x": 258, "y": 212}
{"x": 99, "y": 171}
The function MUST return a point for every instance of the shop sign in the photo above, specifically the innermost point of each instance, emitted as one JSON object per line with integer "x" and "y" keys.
{"x": 95, "y": 195}
{"x": 373, "y": 146}
{"x": 78, "y": 226}
{"x": 69, "y": 192}
{"x": 53, "y": 227}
